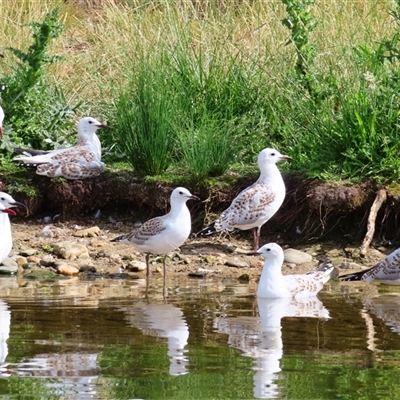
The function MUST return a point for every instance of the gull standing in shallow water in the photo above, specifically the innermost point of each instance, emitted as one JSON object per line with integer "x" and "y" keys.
{"x": 273, "y": 284}
{"x": 385, "y": 271}
{"x": 160, "y": 235}
{"x": 77, "y": 162}
{"x": 6, "y": 205}
{"x": 256, "y": 204}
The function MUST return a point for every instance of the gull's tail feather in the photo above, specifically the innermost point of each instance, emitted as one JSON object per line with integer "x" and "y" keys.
{"x": 208, "y": 230}
{"x": 119, "y": 238}
{"x": 356, "y": 276}
{"x": 28, "y": 152}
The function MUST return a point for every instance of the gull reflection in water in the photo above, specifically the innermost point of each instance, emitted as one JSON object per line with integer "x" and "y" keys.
{"x": 261, "y": 337}
{"x": 386, "y": 308}
{"x": 167, "y": 321}
{"x": 5, "y": 322}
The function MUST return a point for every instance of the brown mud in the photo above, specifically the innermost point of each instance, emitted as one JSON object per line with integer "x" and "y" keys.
{"x": 321, "y": 219}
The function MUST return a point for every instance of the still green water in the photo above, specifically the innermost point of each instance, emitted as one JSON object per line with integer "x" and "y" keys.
{"x": 207, "y": 339}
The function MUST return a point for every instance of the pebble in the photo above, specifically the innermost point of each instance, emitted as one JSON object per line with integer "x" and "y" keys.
{"x": 94, "y": 231}
{"x": 28, "y": 252}
{"x": 34, "y": 259}
{"x": 236, "y": 262}
{"x": 48, "y": 261}
{"x": 71, "y": 250}
{"x": 9, "y": 269}
{"x": 136, "y": 266}
{"x": 46, "y": 232}
{"x": 66, "y": 269}
{"x": 293, "y": 256}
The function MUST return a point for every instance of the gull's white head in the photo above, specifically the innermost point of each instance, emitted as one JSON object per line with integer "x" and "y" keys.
{"x": 7, "y": 203}
{"x": 270, "y": 251}
{"x": 1, "y": 122}
{"x": 182, "y": 195}
{"x": 270, "y": 156}
{"x": 89, "y": 125}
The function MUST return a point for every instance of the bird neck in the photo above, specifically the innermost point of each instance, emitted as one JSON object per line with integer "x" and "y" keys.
{"x": 270, "y": 172}
{"x": 272, "y": 282}
{"x": 178, "y": 210}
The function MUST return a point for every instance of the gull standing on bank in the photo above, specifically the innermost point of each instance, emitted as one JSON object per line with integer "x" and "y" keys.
{"x": 273, "y": 284}
{"x": 77, "y": 162}
{"x": 161, "y": 235}
{"x": 7, "y": 203}
{"x": 256, "y": 204}
{"x": 385, "y": 271}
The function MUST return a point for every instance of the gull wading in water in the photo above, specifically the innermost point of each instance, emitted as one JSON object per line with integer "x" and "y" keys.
{"x": 385, "y": 271}
{"x": 163, "y": 234}
{"x": 77, "y": 162}
{"x": 7, "y": 203}
{"x": 273, "y": 284}
{"x": 256, "y": 204}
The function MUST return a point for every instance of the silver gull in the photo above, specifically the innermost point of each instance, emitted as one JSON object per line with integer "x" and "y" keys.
{"x": 7, "y": 203}
{"x": 273, "y": 284}
{"x": 77, "y": 162}
{"x": 256, "y": 204}
{"x": 385, "y": 271}
{"x": 161, "y": 235}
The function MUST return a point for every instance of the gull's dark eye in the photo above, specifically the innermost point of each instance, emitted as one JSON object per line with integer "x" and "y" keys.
{"x": 2, "y": 199}
{"x": 268, "y": 249}
{"x": 181, "y": 192}
{"x": 90, "y": 122}
{"x": 272, "y": 154}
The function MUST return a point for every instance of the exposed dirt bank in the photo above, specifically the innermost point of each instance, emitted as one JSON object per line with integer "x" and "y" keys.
{"x": 319, "y": 219}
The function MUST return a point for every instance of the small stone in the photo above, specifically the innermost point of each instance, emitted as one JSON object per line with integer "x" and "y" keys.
{"x": 34, "y": 259}
{"x": 46, "y": 232}
{"x": 197, "y": 274}
{"x": 27, "y": 252}
{"x": 94, "y": 231}
{"x": 136, "y": 266}
{"x": 20, "y": 260}
{"x": 8, "y": 270}
{"x": 98, "y": 243}
{"x": 236, "y": 262}
{"x": 351, "y": 265}
{"x": 296, "y": 256}
{"x": 48, "y": 261}
{"x": 71, "y": 250}
{"x": 66, "y": 269}
{"x": 9, "y": 262}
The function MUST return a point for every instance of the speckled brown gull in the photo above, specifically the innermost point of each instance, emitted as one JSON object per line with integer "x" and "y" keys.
{"x": 7, "y": 203}
{"x": 256, "y": 204}
{"x": 273, "y": 284}
{"x": 77, "y": 162}
{"x": 385, "y": 271}
{"x": 161, "y": 235}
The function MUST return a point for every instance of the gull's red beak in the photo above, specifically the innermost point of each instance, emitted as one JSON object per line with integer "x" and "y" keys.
{"x": 1, "y": 132}
{"x": 9, "y": 211}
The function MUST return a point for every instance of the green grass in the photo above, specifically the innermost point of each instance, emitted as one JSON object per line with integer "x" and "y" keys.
{"x": 193, "y": 88}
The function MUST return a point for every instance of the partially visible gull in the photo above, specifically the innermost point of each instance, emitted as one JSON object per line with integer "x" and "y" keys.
{"x": 256, "y": 204}
{"x": 161, "y": 235}
{"x": 273, "y": 284}
{"x": 77, "y": 162}
{"x": 1, "y": 121}
{"x": 7, "y": 203}
{"x": 385, "y": 271}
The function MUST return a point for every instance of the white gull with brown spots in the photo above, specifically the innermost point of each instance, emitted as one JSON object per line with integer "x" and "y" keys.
{"x": 256, "y": 204}
{"x": 385, "y": 271}
{"x": 161, "y": 235}
{"x": 77, "y": 162}
{"x": 273, "y": 284}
